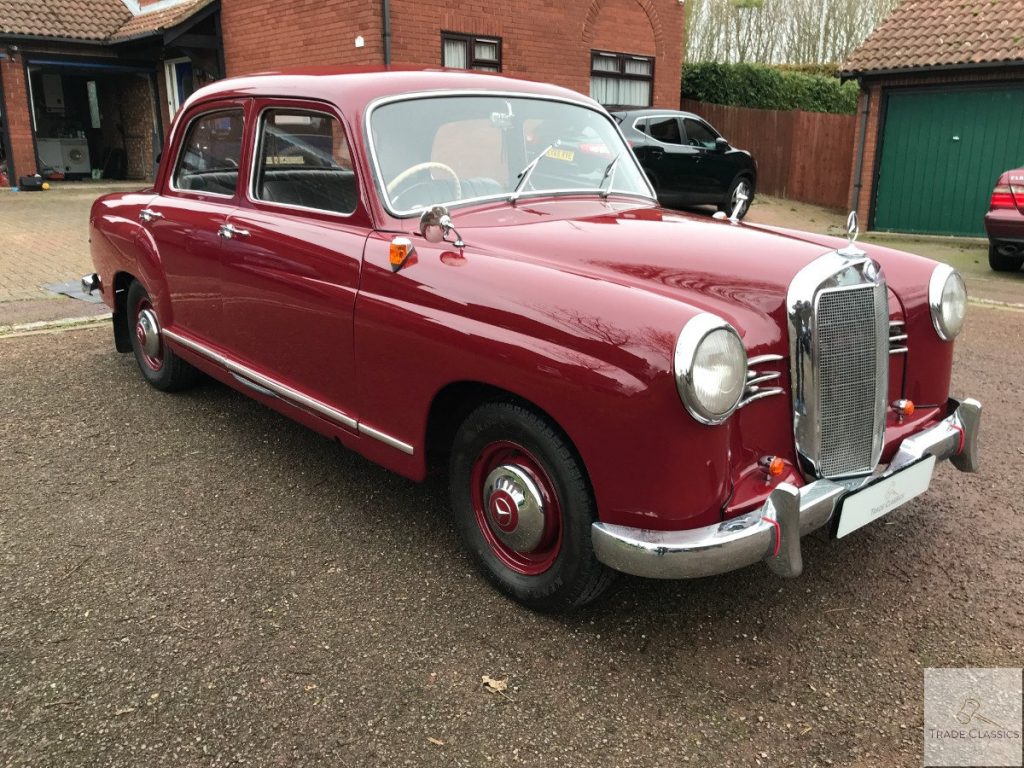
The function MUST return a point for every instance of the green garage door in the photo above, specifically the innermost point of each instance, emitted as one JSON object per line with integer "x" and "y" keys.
{"x": 941, "y": 155}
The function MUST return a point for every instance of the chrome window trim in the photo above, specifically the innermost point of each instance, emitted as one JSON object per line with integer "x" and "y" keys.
{"x": 659, "y": 141}
{"x": 378, "y": 180}
{"x": 181, "y": 147}
{"x": 833, "y": 270}
{"x": 690, "y": 338}
{"x": 283, "y": 391}
{"x": 250, "y": 191}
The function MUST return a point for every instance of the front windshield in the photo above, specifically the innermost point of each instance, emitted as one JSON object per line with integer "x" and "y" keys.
{"x": 446, "y": 149}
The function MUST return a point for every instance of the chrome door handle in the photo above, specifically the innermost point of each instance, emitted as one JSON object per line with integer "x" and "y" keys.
{"x": 229, "y": 231}
{"x": 147, "y": 215}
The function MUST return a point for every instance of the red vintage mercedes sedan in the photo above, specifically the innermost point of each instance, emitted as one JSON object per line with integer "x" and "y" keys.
{"x": 441, "y": 268}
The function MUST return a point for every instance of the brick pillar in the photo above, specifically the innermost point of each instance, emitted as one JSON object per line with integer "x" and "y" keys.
{"x": 19, "y": 121}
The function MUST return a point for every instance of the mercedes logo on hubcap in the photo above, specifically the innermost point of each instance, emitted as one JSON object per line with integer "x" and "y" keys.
{"x": 504, "y": 511}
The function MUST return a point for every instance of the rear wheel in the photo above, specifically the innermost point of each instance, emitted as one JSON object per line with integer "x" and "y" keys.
{"x": 1001, "y": 262}
{"x": 159, "y": 365}
{"x": 742, "y": 187}
{"x": 524, "y": 508}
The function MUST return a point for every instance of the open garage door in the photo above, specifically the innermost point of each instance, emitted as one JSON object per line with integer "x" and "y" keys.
{"x": 942, "y": 152}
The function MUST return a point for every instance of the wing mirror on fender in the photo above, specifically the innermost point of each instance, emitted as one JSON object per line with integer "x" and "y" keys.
{"x": 721, "y": 145}
{"x": 436, "y": 224}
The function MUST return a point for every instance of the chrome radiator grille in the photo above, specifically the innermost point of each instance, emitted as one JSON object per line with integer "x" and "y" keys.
{"x": 850, "y": 323}
{"x": 838, "y": 311}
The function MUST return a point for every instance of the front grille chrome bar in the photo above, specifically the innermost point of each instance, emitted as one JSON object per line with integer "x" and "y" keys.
{"x": 755, "y": 378}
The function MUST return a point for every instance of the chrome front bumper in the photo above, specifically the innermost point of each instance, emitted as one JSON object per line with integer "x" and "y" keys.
{"x": 772, "y": 533}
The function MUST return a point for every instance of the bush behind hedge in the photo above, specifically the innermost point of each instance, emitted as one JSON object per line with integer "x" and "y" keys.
{"x": 765, "y": 87}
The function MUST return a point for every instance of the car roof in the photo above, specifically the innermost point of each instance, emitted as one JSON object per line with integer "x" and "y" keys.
{"x": 655, "y": 113}
{"x": 352, "y": 88}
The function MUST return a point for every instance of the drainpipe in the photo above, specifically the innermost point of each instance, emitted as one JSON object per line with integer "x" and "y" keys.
{"x": 858, "y": 184}
{"x": 385, "y": 13}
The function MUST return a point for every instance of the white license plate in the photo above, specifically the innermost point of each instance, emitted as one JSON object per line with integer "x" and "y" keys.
{"x": 877, "y": 500}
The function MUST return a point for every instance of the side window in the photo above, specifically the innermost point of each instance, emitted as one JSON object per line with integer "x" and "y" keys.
{"x": 304, "y": 160}
{"x": 211, "y": 153}
{"x": 641, "y": 125}
{"x": 698, "y": 134}
{"x": 665, "y": 130}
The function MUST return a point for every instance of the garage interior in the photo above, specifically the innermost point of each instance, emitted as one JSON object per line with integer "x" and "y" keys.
{"x": 92, "y": 119}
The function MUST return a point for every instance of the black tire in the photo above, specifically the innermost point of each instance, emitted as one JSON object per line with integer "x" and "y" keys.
{"x": 1001, "y": 263}
{"x": 164, "y": 369}
{"x": 568, "y": 574}
{"x": 727, "y": 205}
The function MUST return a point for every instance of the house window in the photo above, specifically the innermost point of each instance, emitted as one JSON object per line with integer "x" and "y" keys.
{"x": 621, "y": 79}
{"x": 470, "y": 52}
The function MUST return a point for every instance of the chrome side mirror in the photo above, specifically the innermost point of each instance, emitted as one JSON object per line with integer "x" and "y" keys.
{"x": 436, "y": 224}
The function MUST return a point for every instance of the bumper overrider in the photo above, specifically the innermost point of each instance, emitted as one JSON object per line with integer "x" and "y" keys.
{"x": 772, "y": 532}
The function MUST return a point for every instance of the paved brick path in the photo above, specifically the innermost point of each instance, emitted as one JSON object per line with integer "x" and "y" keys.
{"x": 44, "y": 237}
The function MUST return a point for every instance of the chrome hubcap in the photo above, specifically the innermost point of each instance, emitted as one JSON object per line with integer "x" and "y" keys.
{"x": 743, "y": 190}
{"x": 515, "y": 508}
{"x": 147, "y": 330}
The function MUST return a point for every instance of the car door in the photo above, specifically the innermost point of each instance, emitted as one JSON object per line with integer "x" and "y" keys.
{"x": 293, "y": 251}
{"x": 718, "y": 169}
{"x": 197, "y": 197}
{"x": 672, "y": 166}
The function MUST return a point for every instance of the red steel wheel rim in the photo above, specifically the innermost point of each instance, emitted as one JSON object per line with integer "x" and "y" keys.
{"x": 492, "y": 513}
{"x": 153, "y": 362}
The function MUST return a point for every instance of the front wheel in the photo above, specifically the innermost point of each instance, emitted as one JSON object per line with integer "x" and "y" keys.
{"x": 524, "y": 508}
{"x": 742, "y": 187}
{"x": 1001, "y": 262}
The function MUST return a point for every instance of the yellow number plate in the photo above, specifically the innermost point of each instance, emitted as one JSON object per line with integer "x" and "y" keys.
{"x": 561, "y": 154}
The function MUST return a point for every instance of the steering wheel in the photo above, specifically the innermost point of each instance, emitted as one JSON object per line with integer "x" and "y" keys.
{"x": 412, "y": 170}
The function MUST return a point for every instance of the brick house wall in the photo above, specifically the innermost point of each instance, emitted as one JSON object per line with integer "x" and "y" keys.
{"x": 540, "y": 41}
{"x": 19, "y": 123}
{"x": 872, "y": 97}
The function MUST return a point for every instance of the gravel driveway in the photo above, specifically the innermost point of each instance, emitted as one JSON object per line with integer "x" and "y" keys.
{"x": 193, "y": 580}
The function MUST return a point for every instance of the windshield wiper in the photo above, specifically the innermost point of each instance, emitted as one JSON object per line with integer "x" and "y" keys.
{"x": 609, "y": 176}
{"x": 526, "y": 173}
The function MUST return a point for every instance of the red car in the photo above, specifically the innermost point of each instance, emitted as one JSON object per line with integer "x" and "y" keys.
{"x": 1004, "y": 223}
{"x": 392, "y": 259}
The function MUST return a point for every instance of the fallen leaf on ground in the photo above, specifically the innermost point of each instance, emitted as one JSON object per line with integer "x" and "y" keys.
{"x": 496, "y": 686}
{"x": 432, "y": 740}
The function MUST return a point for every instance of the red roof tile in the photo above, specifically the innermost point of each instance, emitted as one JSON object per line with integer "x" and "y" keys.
{"x": 98, "y": 20}
{"x": 72, "y": 19}
{"x": 158, "y": 21}
{"x": 928, "y": 33}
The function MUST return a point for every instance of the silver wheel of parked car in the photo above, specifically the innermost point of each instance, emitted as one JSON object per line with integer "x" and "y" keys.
{"x": 740, "y": 188}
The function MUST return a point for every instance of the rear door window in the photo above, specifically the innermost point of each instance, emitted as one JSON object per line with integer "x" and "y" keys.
{"x": 211, "y": 153}
{"x": 303, "y": 161}
{"x": 664, "y": 129}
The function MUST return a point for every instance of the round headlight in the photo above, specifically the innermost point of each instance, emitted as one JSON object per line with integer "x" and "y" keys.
{"x": 947, "y": 298}
{"x": 710, "y": 368}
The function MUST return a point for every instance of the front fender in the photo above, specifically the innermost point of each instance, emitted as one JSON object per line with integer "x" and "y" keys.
{"x": 594, "y": 355}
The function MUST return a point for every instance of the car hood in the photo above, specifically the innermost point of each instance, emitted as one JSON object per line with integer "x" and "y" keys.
{"x": 739, "y": 272}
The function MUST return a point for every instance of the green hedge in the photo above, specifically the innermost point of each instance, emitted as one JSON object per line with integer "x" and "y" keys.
{"x": 765, "y": 87}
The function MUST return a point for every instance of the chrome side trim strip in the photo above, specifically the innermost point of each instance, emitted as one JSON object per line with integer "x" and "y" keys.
{"x": 385, "y": 438}
{"x": 257, "y": 381}
{"x": 899, "y": 351}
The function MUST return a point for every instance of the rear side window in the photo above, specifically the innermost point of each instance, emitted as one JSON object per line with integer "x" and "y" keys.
{"x": 211, "y": 154}
{"x": 665, "y": 130}
{"x": 303, "y": 161}
{"x": 699, "y": 134}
